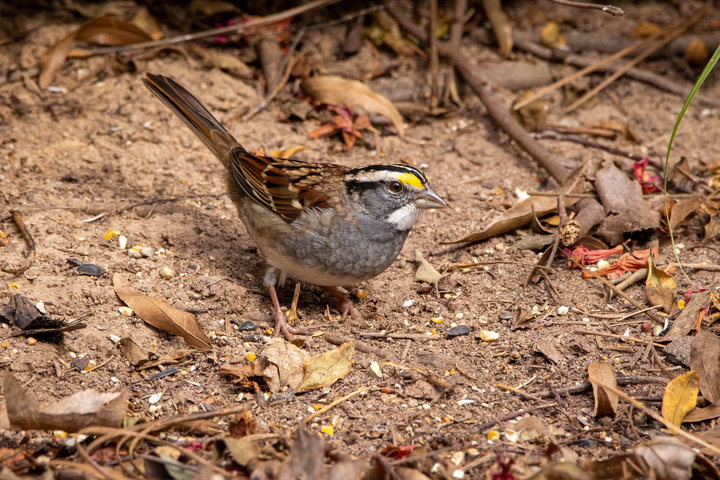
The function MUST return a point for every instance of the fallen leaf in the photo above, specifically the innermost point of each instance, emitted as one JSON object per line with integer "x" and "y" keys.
{"x": 657, "y": 277}
{"x": 667, "y": 458}
{"x": 706, "y": 361}
{"x": 327, "y": 368}
{"x": 283, "y": 365}
{"x": 104, "y": 30}
{"x": 682, "y": 210}
{"x": 144, "y": 19}
{"x": 134, "y": 354}
{"x": 685, "y": 321}
{"x": 680, "y": 397}
{"x": 627, "y": 211}
{"x": 242, "y": 450}
{"x": 645, "y": 29}
{"x": 288, "y": 152}
{"x": 606, "y": 401}
{"x": 702, "y": 414}
{"x": 71, "y": 414}
{"x": 159, "y": 314}
{"x": 425, "y": 271}
{"x": 335, "y": 90}
{"x": 521, "y": 213}
{"x": 549, "y": 351}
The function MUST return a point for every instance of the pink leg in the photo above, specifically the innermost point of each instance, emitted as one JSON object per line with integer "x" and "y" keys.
{"x": 342, "y": 303}
{"x": 281, "y": 324}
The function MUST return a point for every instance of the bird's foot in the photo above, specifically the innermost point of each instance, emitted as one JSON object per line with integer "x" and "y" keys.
{"x": 342, "y": 303}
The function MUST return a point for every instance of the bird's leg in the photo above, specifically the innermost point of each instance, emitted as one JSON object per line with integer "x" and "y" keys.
{"x": 281, "y": 324}
{"x": 342, "y": 303}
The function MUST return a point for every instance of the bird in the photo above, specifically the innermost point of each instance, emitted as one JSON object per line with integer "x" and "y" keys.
{"x": 320, "y": 223}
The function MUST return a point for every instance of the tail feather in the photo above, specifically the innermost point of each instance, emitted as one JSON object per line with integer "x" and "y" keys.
{"x": 194, "y": 114}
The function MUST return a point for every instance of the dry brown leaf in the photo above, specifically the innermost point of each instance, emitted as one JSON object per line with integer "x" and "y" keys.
{"x": 606, "y": 401}
{"x": 645, "y": 29}
{"x": 521, "y": 213}
{"x": 702, "y": 414}
{"x": 687, "y": 318}
{"x": 283, "y": 365}
{"x": 667, "y": 458}
{"x": 680, "y": 397}
{"x": 327, "y": 368}
{"x": 288, "y": 152}
{"x": 104, "y": 30}
{"x": 134, "y": 354}
{"x": 706, "y": 361}
{"x": 334, "y": 90}
{"x": 144, "y": 19}
{"x": 682, "y": 210}
{"x": 71, "y": 414}
{"x": 425, "y": 271}
{"x": 159, "y": 314}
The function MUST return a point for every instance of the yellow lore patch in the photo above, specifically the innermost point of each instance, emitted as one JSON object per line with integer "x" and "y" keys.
{"x": 409, "y": 179}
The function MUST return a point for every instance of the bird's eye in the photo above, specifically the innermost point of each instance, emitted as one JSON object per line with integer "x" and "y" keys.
{"x": 395, "y": 187}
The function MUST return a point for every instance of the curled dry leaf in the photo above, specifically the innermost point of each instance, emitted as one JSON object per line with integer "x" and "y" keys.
{"x": 104, "y": 30}
{"x": 425, "y": 271}
{"x": 706, "y": 361}
{"x": 667, "y": 458}
{"x": 327, "y": 368}
{"x": 71, "y": 414}
{"x": 159, "y": 314}
{"x": 334, "y": 90}
{"x": 521, "y": 213}
{"x": 600, "y": 375}
{"x": 283, "y": 365}
{"x": 680, "y": 397}
{"x": 682, "y": 210}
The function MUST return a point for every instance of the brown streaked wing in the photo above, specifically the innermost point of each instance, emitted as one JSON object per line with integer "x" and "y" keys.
{"x": 281, "y": 185}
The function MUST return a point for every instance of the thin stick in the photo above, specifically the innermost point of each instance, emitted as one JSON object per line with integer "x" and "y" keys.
{"x": 30, "y": 256}
{"x": 615, "y": 289}
{"x": 434, "y": 62}
{"x": 258, "y": 22}
{"x": 676, "y": 430}
{"x": 616, "y": 335}
{"x": 611, "y": 9}
{"x": 666, "y": 38}
{"x": 581, "y": 73}
{"x": 335, "y": 403}
{"x": 518, "y": 391}
{"x": 401, "y": 336}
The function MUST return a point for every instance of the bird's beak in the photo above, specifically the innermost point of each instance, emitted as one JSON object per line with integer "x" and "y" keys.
{"x": 427, "y": 198}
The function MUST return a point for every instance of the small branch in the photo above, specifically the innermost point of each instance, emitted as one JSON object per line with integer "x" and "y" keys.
{"x": 400, "y": 336}
{"x": 611, "y": 9}
{"x": 616, "y": 335}
{"x": 666, "y": 38}
{"x": 335, "y": 403}
{"x": 255, "y": 23}
{"x": 434, "y": 62}
{"x": 30, "y": 255}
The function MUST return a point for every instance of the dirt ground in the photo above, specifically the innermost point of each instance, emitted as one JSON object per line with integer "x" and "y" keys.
{"x": 106, "y": 145}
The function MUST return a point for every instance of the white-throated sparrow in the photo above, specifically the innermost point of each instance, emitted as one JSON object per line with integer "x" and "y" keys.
{"x": 319, "y": 223}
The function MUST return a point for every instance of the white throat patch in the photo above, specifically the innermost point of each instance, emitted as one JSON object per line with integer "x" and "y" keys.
{"x": 404, "y": 218}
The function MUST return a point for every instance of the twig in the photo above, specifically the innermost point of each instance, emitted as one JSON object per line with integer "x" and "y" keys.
{"x": 434, "y": 62}
{"x": 581, "y": 73}
{"x": 164, "y": 200}
{"x": 632, "y": 279}
{"x": 30, "y": 255}
{"x": 286, "y": 67}
{"x": 616, "y": 335}
{"x": 335, "y": 403}
{"x": 666, "y": 38}
{"x": 611, "y": 9}
{"x": 676, "y": 430}
{"x": 518, "y": 391}
{"x": 592, "y": 144}
{"x": 497, "y": 111}
{"x": 103, "y": 473}
{"x": 615, "y": 289}
{"x": 401, "y": 336}
{"x": 639, "y": 74}
{"x": 712, "y": 267}
{"x": 255, "y": 23}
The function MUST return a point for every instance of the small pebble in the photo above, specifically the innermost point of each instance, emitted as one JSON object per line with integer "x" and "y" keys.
{"x": 155, "y": 398}
{"x": 134, "y": 254}
{"x": 505, "y": 316}
{"x": 90, "y": 270}
{"x": 167, "y": 273}
{"x": 458, "y": 331}
{"x": 146, "y": 252}
{"x": 122, "y": 242}
{"x": 246, "y": 326}
{"x": 375, "y": 369}
{"x": 114, "y": 338}
{"x": 40, "y": 306}
{"x": 252, "y": 338}
{"x": 31, "y": 341}
{"x": 127, "y": 311}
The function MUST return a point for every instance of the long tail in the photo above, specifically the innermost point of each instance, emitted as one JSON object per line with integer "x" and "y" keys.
{"x": 194, "y": 114}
